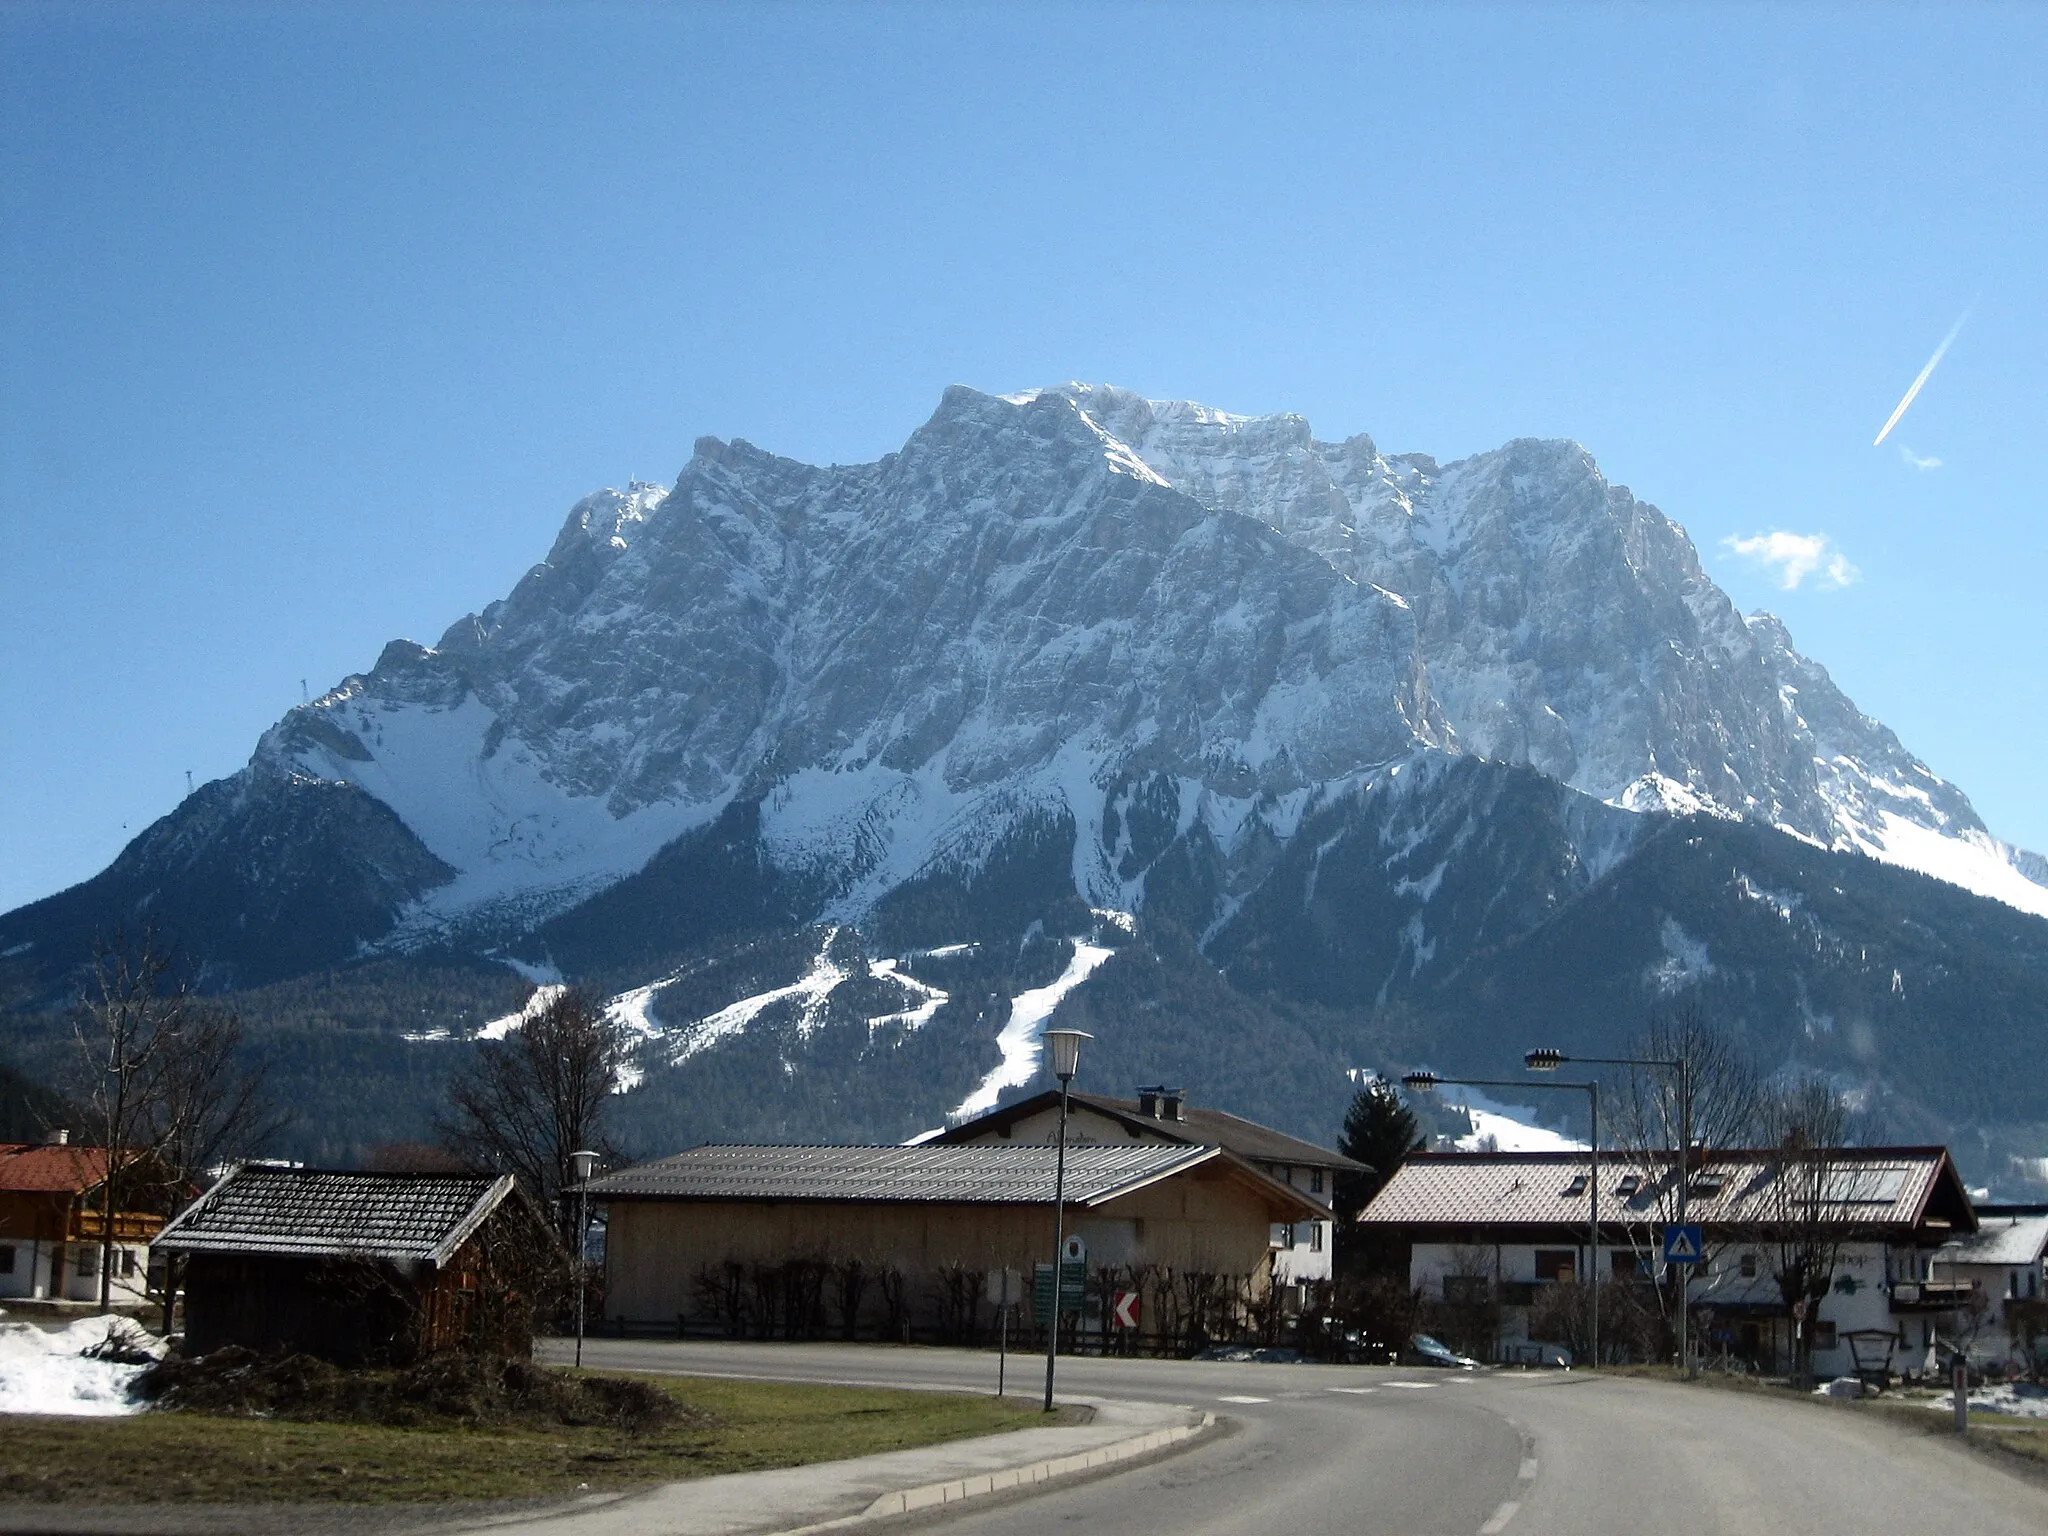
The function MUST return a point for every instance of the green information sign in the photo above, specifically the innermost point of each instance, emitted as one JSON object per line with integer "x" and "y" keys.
{"x": 1073, "y": 1289}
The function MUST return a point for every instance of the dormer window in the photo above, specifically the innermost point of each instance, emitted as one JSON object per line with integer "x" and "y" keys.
{"x": 1574, "y": 1189}
{"x": 1629, "y": 1185}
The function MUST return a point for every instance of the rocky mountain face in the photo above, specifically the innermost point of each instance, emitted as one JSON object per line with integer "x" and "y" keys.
{"x": 1307, "y": 737}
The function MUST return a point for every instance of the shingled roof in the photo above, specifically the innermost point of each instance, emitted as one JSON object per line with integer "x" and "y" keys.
{"x": 407, "y": 1218}
{"x": 928, "y": 1174}
{"x": 50, "y": 1167}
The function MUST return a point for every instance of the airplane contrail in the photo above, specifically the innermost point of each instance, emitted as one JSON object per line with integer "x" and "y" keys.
{"x": 1921, "y": 382}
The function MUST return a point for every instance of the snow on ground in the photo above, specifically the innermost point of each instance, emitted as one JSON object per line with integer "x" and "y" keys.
{"x": 48, "y": 1371}
{"x": 930, "y": 1000}
{"x": 516, "y": 834}
{"x": 812, "y": 988}
{"x": 1511, "y": 1127}
{"x": 499, "y": 1028}
{"x": 1969, "y": 859}
{"x": 1019, "y": 1039}
{"x": 2021, "y": 1399}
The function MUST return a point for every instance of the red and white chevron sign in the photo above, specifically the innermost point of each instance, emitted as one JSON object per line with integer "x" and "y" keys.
{"x": 1124, "y": 1313}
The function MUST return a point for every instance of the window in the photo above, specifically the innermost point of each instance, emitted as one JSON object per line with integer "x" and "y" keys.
{"x": 88, "y": 1263}
{"x": 1624, "y": 1266}
{"x": 6, "y": 1258}
{"x": 1556, "y": 1264}
{"x": 1576, "y": 1187}
{"x": 1283, "y": 1234}
{"x": 1823, "y": 1334}
{"x": 1315, "y": 1181}
{"x": 1315, "y": 1237}
{"x": 1749, "y": 1266}
{"x": 1467, "y": 1290}
{"x": 127, "y": 1263}
{"x": 1630, "y": 1183}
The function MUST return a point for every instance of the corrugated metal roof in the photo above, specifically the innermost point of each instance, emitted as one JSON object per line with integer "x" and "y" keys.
{"x": 1879, "y": 1187}
{"x": 973, "y": 1175}
{"x": 324, "y": 1213}
{"x": 2001, "y": 1240}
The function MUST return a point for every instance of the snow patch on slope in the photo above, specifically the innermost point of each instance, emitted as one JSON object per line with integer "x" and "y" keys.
{"x": 1021, "y": 1035}
{"x": 811, "y": 989}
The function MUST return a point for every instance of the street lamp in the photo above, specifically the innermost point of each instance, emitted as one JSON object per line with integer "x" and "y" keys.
{"x": 584, "y": 1164}
{"x": 1427, "y": 1082}
{"x": 1066, "y": 1060}
{"x": 1547, "y": 1060}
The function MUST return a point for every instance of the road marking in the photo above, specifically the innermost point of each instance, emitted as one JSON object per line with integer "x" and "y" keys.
{"x": 1354, "y": 1391}
{"x": 1529, "y": 1469}
{"x": 1244, "y": 1399}
{"x": 1500, "y": 1519}
{"x": 1413, "y": 1386}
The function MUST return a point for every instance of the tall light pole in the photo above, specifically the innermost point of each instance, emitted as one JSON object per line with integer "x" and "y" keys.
{"x": 1065, "y": 1045}
{"x": 584, "y": 1164}
{"x": 1550, "y": 1061}
{"x": 1425, "y": 1082}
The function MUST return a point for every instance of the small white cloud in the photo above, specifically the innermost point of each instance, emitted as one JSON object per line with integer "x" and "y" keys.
{"x": 1915, "y": 460}
{"x": 1789, "y": 558}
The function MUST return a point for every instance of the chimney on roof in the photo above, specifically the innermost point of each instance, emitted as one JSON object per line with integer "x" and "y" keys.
{"x": 57, "y": 1138}
{"x": 1148, "y": 1103}
{"x": 1170, "y": 1101}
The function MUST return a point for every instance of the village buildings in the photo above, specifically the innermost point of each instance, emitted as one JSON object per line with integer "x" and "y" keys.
{"x": 363, "y": 1267}
{"x": 52, "y": 1225}
{"x": 1492, "y": 1232}
{"x": 914, "y": 1242}
{"x": 1303, "y": 1251}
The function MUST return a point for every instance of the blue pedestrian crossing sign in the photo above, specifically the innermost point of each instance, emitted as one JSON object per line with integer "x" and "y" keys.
{"x": 1682, "y": 1244}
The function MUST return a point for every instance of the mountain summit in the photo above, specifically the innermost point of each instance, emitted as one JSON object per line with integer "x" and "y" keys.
{"x": 1145, "y": 658}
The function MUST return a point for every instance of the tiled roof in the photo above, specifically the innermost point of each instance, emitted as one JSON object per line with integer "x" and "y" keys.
{"x": 974, "y": 1175}
{"x": 322, "y": 1213}
{"x": 1883, "y": 1186}
{"x": 2000, "y": 1240}
{"x": 1196, "y": 1127}
{"x": 41, "y": 1168}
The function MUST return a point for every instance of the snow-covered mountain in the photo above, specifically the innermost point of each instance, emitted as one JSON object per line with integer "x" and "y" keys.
{"x": 1144, "y": 657}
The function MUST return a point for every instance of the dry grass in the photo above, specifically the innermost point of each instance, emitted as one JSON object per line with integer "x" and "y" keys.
{"x": 730, "y": 1426}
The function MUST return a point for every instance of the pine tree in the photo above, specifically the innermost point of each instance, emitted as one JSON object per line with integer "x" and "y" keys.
{"x": 1380, "y": 1131}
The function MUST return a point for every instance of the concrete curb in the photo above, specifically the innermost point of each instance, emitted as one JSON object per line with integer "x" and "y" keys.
{"x": 905, "y": 1501}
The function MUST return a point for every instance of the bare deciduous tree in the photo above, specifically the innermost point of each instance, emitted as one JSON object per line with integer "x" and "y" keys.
{"x": 1805, "y": 1207}
{"x": 160, "y": 1072}
{"x": 530, "y": 1100}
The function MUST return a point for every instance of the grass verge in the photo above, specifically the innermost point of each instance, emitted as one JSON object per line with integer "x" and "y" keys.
{"x": 734, "y": 1426}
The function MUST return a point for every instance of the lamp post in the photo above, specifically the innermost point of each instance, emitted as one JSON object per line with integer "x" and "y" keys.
{"x": 1065, "y": 1045}
{"x": 584, "y": 1164}
{"x": 1549, "y": 1061}
{"x": 1427, "y": 1082}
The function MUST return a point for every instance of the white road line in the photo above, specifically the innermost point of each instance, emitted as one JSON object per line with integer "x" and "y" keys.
{"x": 1500, "y": 1519}
{"x": 1354, "y": 1391}
{"x": 1529, "y": 1469}
{"x": 1413, "y": 1386}
{"x": 1244, "y": 1399}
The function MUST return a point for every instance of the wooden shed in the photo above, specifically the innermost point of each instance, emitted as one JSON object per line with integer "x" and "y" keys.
{"x": 901, "y": 1241}
{"x": 363, "y": 1268}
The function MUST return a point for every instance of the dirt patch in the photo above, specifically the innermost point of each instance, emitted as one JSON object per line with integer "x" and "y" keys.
{"x": 446, "y": 1389}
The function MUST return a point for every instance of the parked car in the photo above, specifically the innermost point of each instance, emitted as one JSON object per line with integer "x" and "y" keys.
{"x": 1528, "y": 1352}
{"x": 1424, "y": 1350}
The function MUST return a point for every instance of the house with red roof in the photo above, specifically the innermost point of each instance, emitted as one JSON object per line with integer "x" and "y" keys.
{"x": 52, "y": 1226}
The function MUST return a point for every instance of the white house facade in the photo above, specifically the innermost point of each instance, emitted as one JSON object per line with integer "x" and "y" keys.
{"x": 1493, "y": 1230}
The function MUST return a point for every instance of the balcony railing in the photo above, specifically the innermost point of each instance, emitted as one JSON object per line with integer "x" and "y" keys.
{"x": 1929, "y": 1295}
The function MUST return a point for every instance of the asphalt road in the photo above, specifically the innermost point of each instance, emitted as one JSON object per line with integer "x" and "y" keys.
{"x": 1311, "y": 1449}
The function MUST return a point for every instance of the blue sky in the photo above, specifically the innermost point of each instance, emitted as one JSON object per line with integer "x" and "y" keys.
{"x": 315, "y": 321}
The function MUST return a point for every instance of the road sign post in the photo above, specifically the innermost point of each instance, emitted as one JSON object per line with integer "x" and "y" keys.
{"x": 1683, "y": 1243}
